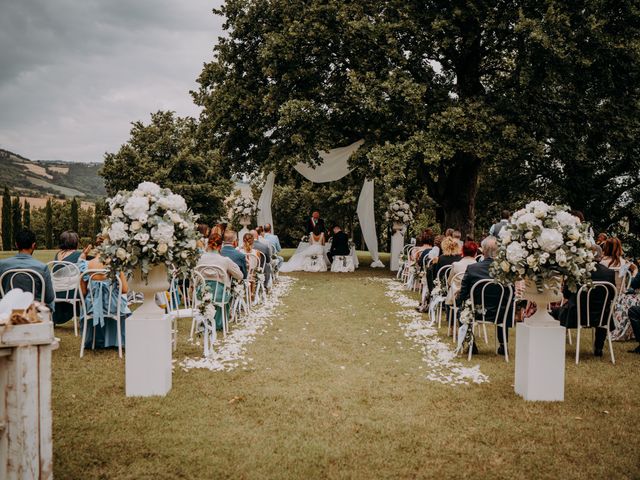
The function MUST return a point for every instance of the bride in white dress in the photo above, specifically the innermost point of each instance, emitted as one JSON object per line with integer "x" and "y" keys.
{"x": 311, "y": 259}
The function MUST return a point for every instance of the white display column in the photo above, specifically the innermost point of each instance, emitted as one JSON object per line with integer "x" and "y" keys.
{"x": 540, "y": 349}
{"x": 397, "y": 244}
{"x": 148, "y": 340}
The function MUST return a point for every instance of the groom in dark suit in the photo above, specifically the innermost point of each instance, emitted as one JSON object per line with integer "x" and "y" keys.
{"x": 339, "y": 244}
{"x": 313, "y": 221}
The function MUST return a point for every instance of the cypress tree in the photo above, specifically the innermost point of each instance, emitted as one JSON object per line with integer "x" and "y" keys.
{"x": 74, "y": 215}
{"x": 48, "y": 225}
{"x": 16, "y": 213}
{"x": 97, "y": 219}
{"x": 7, "y": 234}
{"x": 26, "y": 215}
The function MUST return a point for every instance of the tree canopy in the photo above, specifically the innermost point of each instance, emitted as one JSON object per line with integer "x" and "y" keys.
{"x": 446, "y": 95}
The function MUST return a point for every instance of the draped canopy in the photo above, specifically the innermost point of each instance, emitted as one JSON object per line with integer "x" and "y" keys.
{"x": 334, "y": 165}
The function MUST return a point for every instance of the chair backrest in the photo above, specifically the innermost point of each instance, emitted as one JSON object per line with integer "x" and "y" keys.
{"x": 494, "y": 297}
{"x": 596, "y": 302}
{"x": 479, "y": 258}
{"x": 426, "y": 263}
{"x": 111, "y": 286}
{"x": 443, "y": 275}
{"x": 180, "y": 291}
{"x": 65, "y": 277}
{"x": 212, "y": 272}
{"x": 28, "y": 281}
{"x": 262, "y": 258}
{"x": 456, "y": 280}
{"x": 253, "y": 262}
{"x": 626, "y": 281}
{"x": 203, "y": 273}
{"x": 406, "y": 248}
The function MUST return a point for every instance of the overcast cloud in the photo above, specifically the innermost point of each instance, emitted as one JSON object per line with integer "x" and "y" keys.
{"x": 74, "y": 74}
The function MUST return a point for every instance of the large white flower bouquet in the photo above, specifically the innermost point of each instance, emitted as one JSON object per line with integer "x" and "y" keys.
{"x": 243, "y": 207}
{"x": 147, "y": 227}
{"x": 400, "y": 212}
{"x": 542, "y": 243}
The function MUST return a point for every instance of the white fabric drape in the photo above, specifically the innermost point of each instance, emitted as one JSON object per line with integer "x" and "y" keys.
{"x": 334, "y": 166}
{"x": 367, "y": 217}
{"x": 264, "y": 203}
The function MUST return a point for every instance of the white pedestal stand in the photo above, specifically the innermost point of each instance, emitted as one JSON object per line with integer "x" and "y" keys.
{"x": 397, "y": 244}
{"x": 245, "y": 221}
{"x": 540, "y": 351}
{"x": 148, "y": 336}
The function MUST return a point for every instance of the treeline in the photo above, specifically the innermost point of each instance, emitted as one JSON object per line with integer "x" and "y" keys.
{"x": 50, "y": 221}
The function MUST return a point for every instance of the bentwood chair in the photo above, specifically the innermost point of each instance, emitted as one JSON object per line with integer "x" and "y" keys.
{"x": 65, "y": 277}
{"x": 599, "y": 303}
{"x": 504, "y": 295}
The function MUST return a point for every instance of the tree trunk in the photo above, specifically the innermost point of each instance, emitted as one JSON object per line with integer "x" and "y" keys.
{"x": 459, "y": 197}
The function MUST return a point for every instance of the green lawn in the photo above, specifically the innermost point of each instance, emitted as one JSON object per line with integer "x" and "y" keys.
{"x": 336, "y": 391}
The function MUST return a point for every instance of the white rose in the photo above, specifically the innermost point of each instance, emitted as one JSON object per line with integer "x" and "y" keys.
{"x": 505, "y": 236}
{"x": 566, "y": 219}
{"x": 135, "y": 226}
{"x": 561, "y": 257}
{"x": 183, "y": 254}
{"x": 118, "y": 231}
{"x": 136, "y": 207}
{"x": 532, "y": 261}
{"x": 528, "y": 218}
{"x": 191, "y": 244}
{"x": 148, "y": 188}
{"x": 141, "y": 238}
{"x": 538, "y": 208}
{"x": 163, "y": 232}
{"x": 121, "y": 253}
{"x": 162, "y": 248}
{"x": 505, "y": 265}
{"x": 175, "y": 217}
{"x": 550, "y": 239}
{"x": 515, "y": 252}
{"x": 116, "y": 213}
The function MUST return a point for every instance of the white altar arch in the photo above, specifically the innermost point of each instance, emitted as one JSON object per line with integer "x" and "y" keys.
{"x": 334, "y": 166}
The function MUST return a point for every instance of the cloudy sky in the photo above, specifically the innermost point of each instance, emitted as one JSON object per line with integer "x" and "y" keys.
{"x": 74, "y": 74}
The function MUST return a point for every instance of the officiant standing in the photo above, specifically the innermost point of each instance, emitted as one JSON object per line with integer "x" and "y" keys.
{"x": 313, "y": 221}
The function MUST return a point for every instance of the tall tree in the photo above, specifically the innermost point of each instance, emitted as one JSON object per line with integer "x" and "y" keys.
{"x": 16, "y": 215}
{"x": 74, "y": 215}
{"x": 7, "y": 234}
{"x": 97, "y": 219}
{"x": 439, "y": 91}
{"x": 26, "y": 215}
{"x": 168, "y": 151}
{"x": 48, "y": 225}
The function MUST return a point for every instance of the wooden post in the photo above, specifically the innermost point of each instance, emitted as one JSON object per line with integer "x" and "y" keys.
{"x": 26, "y": 449}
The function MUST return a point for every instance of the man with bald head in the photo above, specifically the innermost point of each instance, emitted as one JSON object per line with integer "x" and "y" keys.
{"x": 480, "y": 271}
{"x": 230, "y": 242}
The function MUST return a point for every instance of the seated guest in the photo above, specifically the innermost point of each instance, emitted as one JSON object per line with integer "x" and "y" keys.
{"x": 339, "y": 244}
{"x": 275, "y": 242}
{"x": 65, "y": 279}
{"x": 101, "y": 302}
{"x": 264, "y": 248}
{"x": 203, "y": 230}
{"x": 247, "y": 244}
{"x": 449, "y": 255}
{"x": 601, "y": 240}
{"x": 213, "y": 258}
{"x": 418, "y": 249}
{"x": 613, "y": 259}
{"x": 469, "y": 250}
{"x": 457, "y": 235}
{"x": 480, "y": 271}
{"x": 230, "y": 241}
{"x": 26, "y": 245}
{"x": 634, "y": 319}
{"x": 621, "y": 313}
{"x": 568, "y": 312}
{"x": 428, "y": 239}
{"x": 496, "y": 227}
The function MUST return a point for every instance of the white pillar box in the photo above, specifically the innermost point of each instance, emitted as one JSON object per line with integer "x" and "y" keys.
{"x": 397, "y": 244}
{"x": 148, "y": 356}
{"x": 540, "y": 362}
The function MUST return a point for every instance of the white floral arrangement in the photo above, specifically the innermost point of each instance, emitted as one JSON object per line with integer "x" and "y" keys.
{"x": 206, "y": 312}
{"x": 150, "y": 226}
{"x": 400, "y": 212}
{"x": 243, "y": 207}
{"x": 542, "y": 242}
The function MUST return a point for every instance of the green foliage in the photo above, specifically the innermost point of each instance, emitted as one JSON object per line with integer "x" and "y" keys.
{"x": 445, "y": 94}
{"x": 7, "y": 234}
{"x": 168, "y": 152}
{"x": 74, "y": 215}
{"x": 48, "y": 226}
{"x": 26, "y": 215}
{"x": 99, "y": 215}
{"x": 16, "y": 215}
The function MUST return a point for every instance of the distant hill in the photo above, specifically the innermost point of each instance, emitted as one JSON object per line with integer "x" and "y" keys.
{"x": 34, "y": 178}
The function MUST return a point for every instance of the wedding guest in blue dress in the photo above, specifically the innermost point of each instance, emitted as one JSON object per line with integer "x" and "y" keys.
{"x": 101, "y": 303}
{"x": 64, "y": 276}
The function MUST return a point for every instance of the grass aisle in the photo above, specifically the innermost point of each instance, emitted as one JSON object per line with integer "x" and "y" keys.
{"x": 335, "y": 390}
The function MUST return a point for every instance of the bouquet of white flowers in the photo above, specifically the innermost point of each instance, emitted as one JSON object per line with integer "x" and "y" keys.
{"x": 543, "y": 242}
{"x": 400, "y": 212}
{"x": 148, "y": 227}
{"x": 243, "y": 206}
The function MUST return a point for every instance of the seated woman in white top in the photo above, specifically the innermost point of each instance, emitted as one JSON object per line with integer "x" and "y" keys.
{"x": 469, "y": 250}
{"x": 612, "y": 258}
